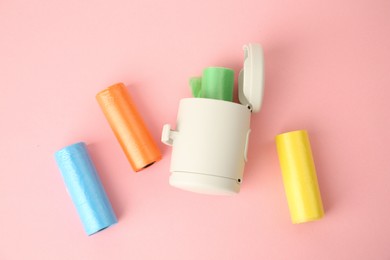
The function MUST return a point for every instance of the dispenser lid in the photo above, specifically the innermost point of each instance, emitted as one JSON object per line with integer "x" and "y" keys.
{"x": 251, "y": 77}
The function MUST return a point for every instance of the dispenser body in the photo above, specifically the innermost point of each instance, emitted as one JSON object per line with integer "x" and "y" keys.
{"x": 209, "y": 145}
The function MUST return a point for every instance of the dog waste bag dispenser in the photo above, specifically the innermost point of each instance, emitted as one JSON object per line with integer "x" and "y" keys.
{"x": 210, "y": 142}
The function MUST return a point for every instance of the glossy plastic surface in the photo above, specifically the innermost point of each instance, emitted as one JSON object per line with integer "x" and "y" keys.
{"x": 299, "y": 176}
{"x": 84, "y": 187}
{"x": 128, "y": 126}
{"x": 215, "y": 83}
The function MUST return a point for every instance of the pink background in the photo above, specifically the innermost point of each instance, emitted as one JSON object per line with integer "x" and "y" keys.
{"x": 327, "y": 71}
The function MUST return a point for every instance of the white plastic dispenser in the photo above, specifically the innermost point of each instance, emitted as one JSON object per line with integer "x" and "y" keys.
{"x": 210, "y": 142}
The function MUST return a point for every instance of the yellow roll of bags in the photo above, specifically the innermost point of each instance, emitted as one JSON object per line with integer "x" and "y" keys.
{"x": 299, "y": 176}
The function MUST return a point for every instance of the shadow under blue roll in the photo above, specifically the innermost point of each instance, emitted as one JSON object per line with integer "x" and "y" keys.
{"x": 84, "y": 187}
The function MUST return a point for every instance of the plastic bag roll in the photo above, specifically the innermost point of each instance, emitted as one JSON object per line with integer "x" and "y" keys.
{"x": 215, "y": 83}
{"x": 85, "y": 189}
{"x": 299, "y": 176}
{"x": 128, "y": 127}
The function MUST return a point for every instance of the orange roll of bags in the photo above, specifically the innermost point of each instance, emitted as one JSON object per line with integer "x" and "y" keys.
{"x": 128, "y": 126}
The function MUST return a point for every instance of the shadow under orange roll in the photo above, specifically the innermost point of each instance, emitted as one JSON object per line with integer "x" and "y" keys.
{"x": 128, "y": 126}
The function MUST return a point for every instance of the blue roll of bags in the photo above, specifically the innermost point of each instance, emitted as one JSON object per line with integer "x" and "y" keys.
{"x": 84, "y": 187}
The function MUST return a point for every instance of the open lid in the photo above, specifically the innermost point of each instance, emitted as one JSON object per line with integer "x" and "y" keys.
{"x": 251, "y": 77}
